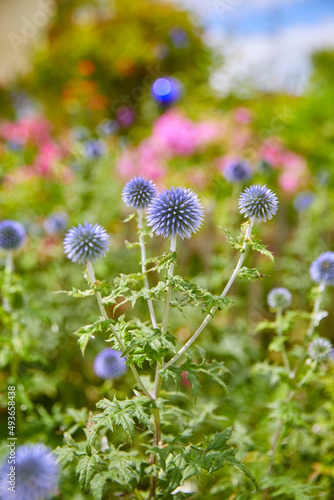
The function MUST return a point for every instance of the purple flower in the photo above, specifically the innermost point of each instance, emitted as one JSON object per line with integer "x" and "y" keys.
{"x": 175, "y": 211}
{"x": 36, "y": 474}
{"x": 179, "y": 37}
{"x": 109, "y": 364}
{"x": 166, "y": 90}
{"x": 12, "y": 235}
{"x": 258, "y": 202}
{"x": 303, "y": 201}
{"x": 86, "y": 243}
{"x": 238, "y": 171}
{"x": 322, "y": 269}
{"x": 55, "y": 223}
{"x": 138, "y": 192}
{"x": 94, "y": 149}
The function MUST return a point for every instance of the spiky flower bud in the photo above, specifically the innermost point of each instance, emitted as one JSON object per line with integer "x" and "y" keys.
{"x": 319, "y": 349}
{"x": 175, "y": 212}
{"x": 86, "y": 243}
{"x": 109, "y": 364}
{"x": 138, "y": 192}
{"x": 279, "y": 298}
{"x": 322, "y": 269}
{"x": 258, "y": 202}
{"x": 12, "y": 235}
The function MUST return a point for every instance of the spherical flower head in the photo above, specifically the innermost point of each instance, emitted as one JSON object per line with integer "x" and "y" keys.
{"x": 258, "y": 202}
{"x": 237, "y": 171}
{"x": 166, "y": 90}
{"x": 319, "y": 349}
{"x": 86, "y": 243}
{"x": 279, "y": 298}
{"x": 93, "y": 148}
{"x": 12, "y": 235}
{"x": 36, "y": 474}
{"x": 109, "y": 364}
{"x": 175, "y": 212}
{"x": 55, "y": 223}
{"x": 138, "y": 192}
{"x": 322, "y": 269}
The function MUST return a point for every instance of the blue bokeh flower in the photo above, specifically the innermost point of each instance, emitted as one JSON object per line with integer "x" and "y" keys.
{"x": 109, "y": 364}
{"x": 258, "y": 202}
{"x": 303, "y": 201}
{"x": 319, "y": 349}
{"x": 166, "y": 90}
{"x": 86, "y": 243}
{"x": 94, "y": 148}
{"x": 56, "y": 222}
{"x": 279, "y": 298}
{"x": 322, "y": 269}
{"x": 175, "y": 212}
{"x": 138, "y": 192}
{"x": 12, "y": 235}
{"x": 36, "y": 474}
{"x": 237, "y": 171}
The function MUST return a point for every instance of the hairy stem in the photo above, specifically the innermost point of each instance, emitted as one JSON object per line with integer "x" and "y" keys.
{"x": 143, "y": 266}
{"x": 316, "y": 309}
{"x": 223, "y": 294}
{"x": 104, "y": 314}
{"x": 157, "y": 381}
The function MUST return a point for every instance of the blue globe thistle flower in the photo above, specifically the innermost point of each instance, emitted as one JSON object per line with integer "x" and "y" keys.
{"x": 238, "y": 171}
{"x": 303, "y": 201}
{"x": 138, "y": 192}
{"x": 279, "y": 298}
{"x": 36, "y": 474}
{"x": 258, "y": 202}
{"x": 55, "y": 223}
{"x": 319, "y": 349}
{"x": 322, "y": 269}
{"x": 12, "y": 235}
{"x": 175, "y": 212}
{"x": 93, "y": 149}
{"x": 166, "y": 90}
{"x": 86, "y": 243}
{"x": 109, "y": 364}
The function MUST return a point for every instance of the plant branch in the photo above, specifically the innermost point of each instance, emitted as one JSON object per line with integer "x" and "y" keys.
{"x": 223, "y": 294}
{"x": 104, "y": 314}
{"x": 143, "y": 266}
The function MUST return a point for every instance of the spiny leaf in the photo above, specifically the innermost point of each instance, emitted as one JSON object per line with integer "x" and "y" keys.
{"x": 87, "y": 468}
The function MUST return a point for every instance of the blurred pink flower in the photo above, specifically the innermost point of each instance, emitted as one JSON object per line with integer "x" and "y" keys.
{"x": 34, "y": 129}
{"x": 143, "y": 161}
{"x": 289, "y": 181}
{"x": 48, "y": 153}
{"x": 207, "y": 131}
{"x": 176, "y": 133}
{"x": 242, "y": 115}
{"x": 272, "y": 152}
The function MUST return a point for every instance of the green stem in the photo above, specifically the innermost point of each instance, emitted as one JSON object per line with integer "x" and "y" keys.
{"x": 308, "y": 375}
{"x": 92, "y": 279}
{"x": 279, "y": 331}
{"x": 157, "y": 380}
{"x": 223, "y": 294}
{"x": 143, "y": 266}
{"x": 316, "y": 309}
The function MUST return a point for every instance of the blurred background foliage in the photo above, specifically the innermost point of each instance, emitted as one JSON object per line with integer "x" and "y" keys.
{"x": 73, "y": 130}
